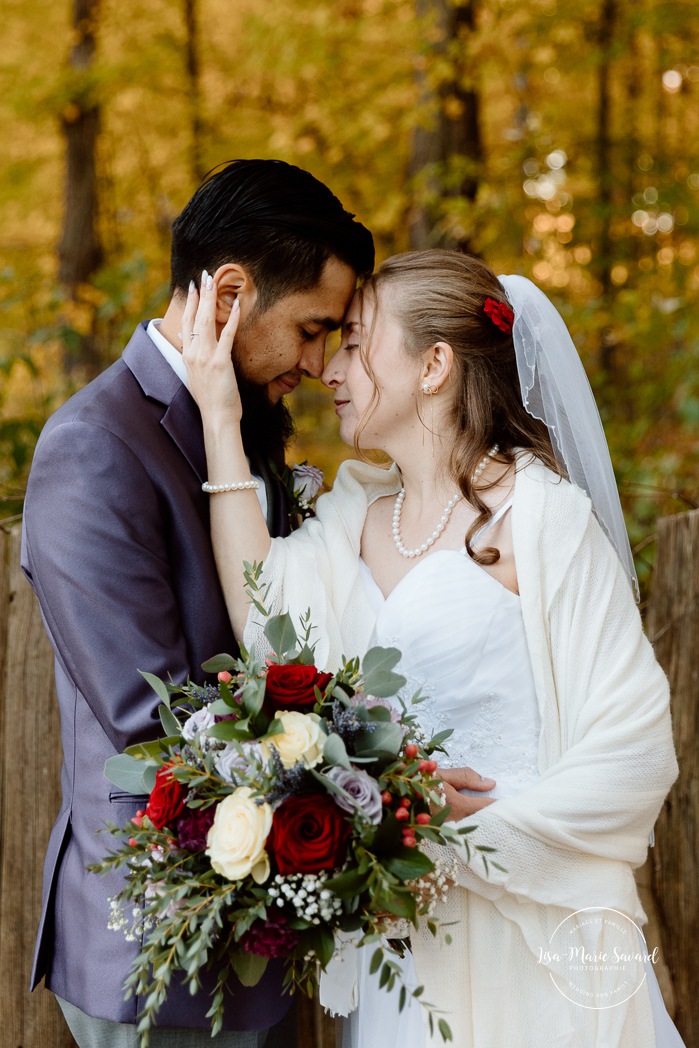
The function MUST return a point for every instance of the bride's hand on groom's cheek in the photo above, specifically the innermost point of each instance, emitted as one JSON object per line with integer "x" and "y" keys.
{"x": 210, "y": 375}
{"x": 463, "y": 805}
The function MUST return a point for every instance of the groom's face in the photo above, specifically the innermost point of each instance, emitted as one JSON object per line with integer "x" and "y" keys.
{"x": 277, "y": 347}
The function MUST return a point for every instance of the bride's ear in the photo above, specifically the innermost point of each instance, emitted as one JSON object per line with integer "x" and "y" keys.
{"x": 233, "y": 282}
{"x": 437, "y": 363}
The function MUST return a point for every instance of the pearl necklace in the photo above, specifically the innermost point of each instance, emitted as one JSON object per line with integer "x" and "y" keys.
{"x": 398, "y": 507}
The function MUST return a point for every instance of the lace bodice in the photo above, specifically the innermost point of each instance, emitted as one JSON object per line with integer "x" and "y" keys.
{"x": 464, "y": 648}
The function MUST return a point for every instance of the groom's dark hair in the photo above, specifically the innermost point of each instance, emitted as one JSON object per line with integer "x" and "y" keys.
{"x": 277, "y": 220}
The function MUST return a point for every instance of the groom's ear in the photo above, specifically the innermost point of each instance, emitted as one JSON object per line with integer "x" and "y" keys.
{"x": 233, "y": 281}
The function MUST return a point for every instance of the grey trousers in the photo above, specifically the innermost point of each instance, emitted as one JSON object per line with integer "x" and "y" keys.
{"x": 101, "y": 1033}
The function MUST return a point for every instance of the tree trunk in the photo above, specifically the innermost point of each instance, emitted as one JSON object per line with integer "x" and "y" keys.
{"x": 447, "y": 154}
{"x": 193, "y": 66}
{"x": 80, "y": 250}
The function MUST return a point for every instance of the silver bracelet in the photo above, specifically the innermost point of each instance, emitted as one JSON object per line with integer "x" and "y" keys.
{"x": 241, "y": 485}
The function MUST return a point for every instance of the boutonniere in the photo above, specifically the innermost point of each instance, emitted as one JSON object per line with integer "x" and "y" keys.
{"x": 302, "y": 484}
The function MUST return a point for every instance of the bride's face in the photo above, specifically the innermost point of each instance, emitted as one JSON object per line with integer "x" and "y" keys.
{"x": 394, "y": 375}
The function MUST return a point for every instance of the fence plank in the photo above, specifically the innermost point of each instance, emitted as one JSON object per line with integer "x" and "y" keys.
{"x": 673, "y": 627}
{"x": 30, "y": 769}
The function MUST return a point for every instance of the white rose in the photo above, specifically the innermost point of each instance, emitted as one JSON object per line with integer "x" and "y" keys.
{"x": 303, "y": 739}
{"x": 236, "y": 841}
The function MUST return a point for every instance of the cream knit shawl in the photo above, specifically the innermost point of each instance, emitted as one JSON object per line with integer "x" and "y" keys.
{"x": 606, "y": 756}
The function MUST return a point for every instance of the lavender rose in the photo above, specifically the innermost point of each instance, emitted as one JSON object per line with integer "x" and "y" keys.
{"x": 237, "y": 758}
{"x": 198, "y": 722}
{"x": 364, "y": 795}
{"x": 308, "y": 481}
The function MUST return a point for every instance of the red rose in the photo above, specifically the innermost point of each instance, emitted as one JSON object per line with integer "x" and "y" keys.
{"x": 309, "y": 833}
{"x": 166, "y": 799}
{"x": 291, "y": 687}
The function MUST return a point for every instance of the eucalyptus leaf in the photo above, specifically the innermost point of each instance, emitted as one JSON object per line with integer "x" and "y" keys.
{"x": 275, "y": 728}
{"x": 307, "y": 656}
{"x": 335, "y": 752}
{"x": 386, "y": 738}
{"x": 219, "y": 708}
{"x": 281, "y": 634}
{"x": 228, "y": 730}
{"x": 378, "y": 713}
{"x": 377, "y": 676}
{"x": 158, "y": 686}
{"x": 253, "y": 696}
{"x": 127, "y": 773}
{"x": 219, "y": 664}
{"x": 169, "y": 721}
{"x": 154, "y": 748}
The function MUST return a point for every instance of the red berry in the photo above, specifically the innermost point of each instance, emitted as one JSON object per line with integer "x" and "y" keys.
{"x": 411, "y": 750}
{"x": 133, "y": 843}
{"x": 410, "y": 841}
{"x": 141, "y": 813}
{"x": 225, "y": 677}
{"x": 402, "y": 814}
{"x": 137, "y": 821}
{"x": 431, "y": 767}
{"x": 404, "y": 802}
{"x": 422, "y": 766}
{"x": 423, "y": 818}
{"x": 386, "y": 797}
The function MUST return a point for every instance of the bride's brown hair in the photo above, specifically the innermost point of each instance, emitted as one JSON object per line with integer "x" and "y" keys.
{"x": 438, "y": 296}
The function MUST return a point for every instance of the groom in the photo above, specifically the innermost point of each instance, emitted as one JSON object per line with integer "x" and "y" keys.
{"x": 116, "y": 546}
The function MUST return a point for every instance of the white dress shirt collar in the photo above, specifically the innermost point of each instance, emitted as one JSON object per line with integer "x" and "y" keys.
{"x": 172, "y": 355}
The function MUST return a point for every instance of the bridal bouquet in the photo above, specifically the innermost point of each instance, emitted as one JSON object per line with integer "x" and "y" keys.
{"x": 286, "y": 804}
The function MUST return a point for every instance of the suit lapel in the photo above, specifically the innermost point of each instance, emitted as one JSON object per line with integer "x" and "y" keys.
{"x": 181, "y": 419}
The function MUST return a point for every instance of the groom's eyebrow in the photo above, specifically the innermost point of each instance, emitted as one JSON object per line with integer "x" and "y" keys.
{"x": 331, "y": 323}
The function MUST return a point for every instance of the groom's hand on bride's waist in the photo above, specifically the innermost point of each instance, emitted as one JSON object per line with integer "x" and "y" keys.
{"x": 464, "y": 804}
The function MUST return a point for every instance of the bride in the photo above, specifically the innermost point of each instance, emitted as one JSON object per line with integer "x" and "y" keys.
{"x": 493, "y": 554}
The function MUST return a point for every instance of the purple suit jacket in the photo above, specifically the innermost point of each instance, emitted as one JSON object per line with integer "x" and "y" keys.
{"x": 116, "y": 545}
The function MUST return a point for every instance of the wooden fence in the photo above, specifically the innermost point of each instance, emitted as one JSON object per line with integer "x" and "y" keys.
{"x": 29, "y": 795}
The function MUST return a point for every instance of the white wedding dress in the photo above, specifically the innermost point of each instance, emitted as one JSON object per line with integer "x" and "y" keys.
{"x": 463, "y": 645}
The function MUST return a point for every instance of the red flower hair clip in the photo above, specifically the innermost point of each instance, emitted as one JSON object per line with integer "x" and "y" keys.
{"x": 500, "y": 314}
